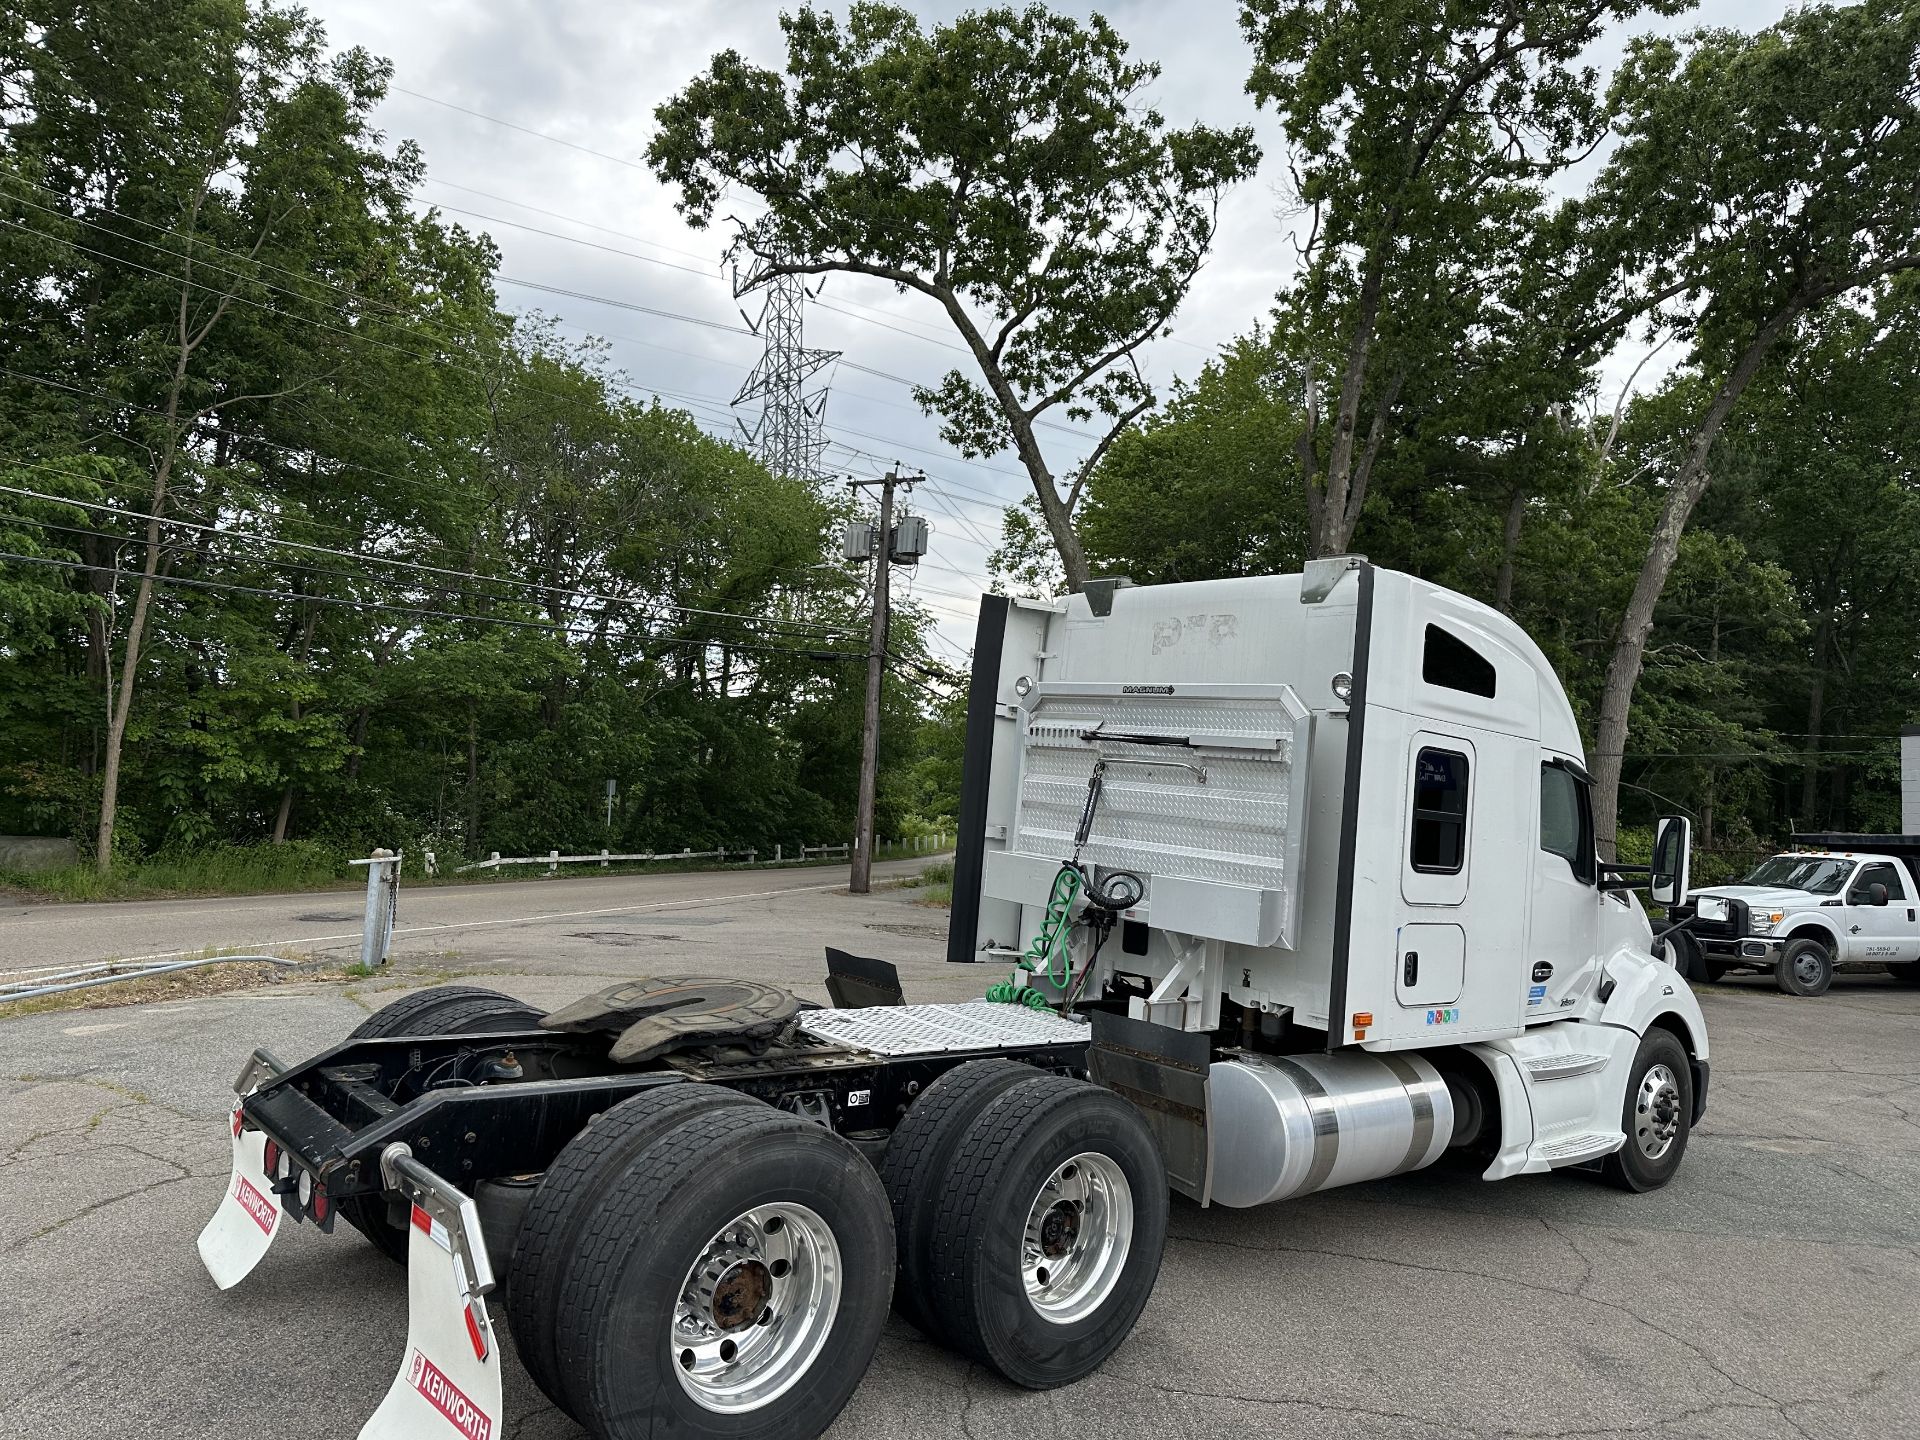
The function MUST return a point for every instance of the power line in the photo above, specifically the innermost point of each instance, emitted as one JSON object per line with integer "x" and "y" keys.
{"x": 361, "y": 556}
{"x": 524, "y": 130}
{"x": 417, "y": 611}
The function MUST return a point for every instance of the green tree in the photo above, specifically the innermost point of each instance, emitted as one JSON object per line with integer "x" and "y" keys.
{"x": 1759, "y": 177}
{"x": 1419, "y": 136}
{"x": 1000, "y": 165}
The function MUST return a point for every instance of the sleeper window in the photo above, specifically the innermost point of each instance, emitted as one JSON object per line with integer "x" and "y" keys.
{"x": 1448, "y": 661}
{"x": 1439, "y": 840}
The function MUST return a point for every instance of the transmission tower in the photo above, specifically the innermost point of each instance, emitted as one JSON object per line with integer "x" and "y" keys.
{"x": 789, "y": 435}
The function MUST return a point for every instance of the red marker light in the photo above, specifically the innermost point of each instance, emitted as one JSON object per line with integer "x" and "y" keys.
{"x": 272, "y": 1159}
{"x": 476, "y": 1332}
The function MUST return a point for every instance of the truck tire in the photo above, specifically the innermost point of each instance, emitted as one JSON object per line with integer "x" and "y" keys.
{"x": 443, "y": 1010}
{"x": 1657, "y": 1115}
{"x": 1684, "y": 954}
{"x": 1049, "y": 1231}
{"x": 1805, "y": 967}
{"x": 566, "y": 1197}
{"x": 732, "y": 1282}
{"x": 1907, "y": 973}
{"x": 1717, "y": 970}
{"x": 918, "y": 1158}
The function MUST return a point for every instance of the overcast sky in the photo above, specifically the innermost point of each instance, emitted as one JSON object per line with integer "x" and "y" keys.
{"x": 590, "y": 72}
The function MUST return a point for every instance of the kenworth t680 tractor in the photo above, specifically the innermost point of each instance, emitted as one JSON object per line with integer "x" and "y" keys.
{"x": 1293, "y": 883}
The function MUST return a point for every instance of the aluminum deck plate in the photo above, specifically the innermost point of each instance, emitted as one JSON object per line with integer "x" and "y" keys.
{"x": 940, "y": 1029}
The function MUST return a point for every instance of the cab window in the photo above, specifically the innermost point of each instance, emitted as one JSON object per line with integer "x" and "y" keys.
{"x": 1871, "y": 875}
{"x": 1566, "y": 820}
{"x": 1439, "y": 842}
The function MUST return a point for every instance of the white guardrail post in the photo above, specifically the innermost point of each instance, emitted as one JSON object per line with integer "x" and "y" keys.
{"x": 383, "y": 906}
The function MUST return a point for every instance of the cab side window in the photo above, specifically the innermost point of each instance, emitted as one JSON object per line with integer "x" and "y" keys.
{"x": 1566, "y": 820}
{"x": 1861, "y": 891}
{"x": 1439, "y": 841}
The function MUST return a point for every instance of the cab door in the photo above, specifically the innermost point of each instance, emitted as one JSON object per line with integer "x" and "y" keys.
{"x": 1886, "y": 932}
{"x": 1565, "y": 923}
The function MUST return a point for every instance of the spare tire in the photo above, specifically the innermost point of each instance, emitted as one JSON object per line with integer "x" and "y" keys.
{"x": 442, "y": 1010}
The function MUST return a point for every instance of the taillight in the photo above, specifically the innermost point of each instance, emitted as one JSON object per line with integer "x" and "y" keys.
{"x": 272, "y": 1159}
{"x": 322, "y": 1206}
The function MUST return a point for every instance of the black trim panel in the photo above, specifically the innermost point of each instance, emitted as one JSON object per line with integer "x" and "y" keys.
{"x": 976, "y": 772}
{"x": 1350, "y": 814}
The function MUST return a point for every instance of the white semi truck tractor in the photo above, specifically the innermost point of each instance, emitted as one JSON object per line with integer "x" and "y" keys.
{"x": 1293, "y": 883}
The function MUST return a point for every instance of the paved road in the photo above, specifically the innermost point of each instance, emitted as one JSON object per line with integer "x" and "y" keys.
{"x": 329, "y": 922}
{"x": 1768, "y": 1294}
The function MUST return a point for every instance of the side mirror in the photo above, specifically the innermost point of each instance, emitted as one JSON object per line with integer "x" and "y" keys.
{"x": 1876, "y": 894}
{"x": 1672, "y": 856}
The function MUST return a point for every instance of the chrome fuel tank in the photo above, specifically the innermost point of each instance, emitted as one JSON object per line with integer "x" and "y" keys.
{"x": 1289, "y": 1125}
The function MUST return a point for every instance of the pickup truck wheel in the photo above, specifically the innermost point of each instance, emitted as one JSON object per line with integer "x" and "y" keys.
{"x": 1683, "y": 953}
{"x": 1717, "y": 970}
{"x": 1049, "y": 1231}
{"x": 732, "y": 1282}
{"x": 1907, "y": 973}
{"x": 1657, "y": 1115}
{"x": 566, "y": 1197}
{"x": 918, "y": 1158}
{"x": 1805, "y": 967}
{"x": 443, "y": 1010}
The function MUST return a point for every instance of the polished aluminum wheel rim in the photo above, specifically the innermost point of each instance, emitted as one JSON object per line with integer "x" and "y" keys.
{"x": 1656, "y": 1112}
{"x": 756, "y": 1308}
{"x": 1079, "y": 1230}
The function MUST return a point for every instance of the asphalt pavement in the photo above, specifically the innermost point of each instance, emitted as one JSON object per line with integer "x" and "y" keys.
{"x": 1773, "y": 1290}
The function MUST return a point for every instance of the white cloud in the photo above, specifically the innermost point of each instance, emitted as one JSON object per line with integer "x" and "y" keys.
{"x": 590, "y": 73}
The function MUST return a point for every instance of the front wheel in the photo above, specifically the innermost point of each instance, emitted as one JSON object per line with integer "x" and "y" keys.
{"x": 1805, "y": 968}
{"x": 1657, "y": 1115}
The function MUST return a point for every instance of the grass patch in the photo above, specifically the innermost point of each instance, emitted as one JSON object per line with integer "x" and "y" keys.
{"x": 222, "y": 870}
{"x": 935, "y": 884}
{"x": 175, "y": 985}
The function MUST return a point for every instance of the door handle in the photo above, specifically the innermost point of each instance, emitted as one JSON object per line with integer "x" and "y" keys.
{"x": 1410, "y": 968}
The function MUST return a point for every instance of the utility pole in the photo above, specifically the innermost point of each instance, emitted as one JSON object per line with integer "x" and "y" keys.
{"x": 886, "y": 547}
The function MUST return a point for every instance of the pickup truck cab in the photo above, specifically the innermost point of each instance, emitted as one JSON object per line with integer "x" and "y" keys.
{"x": 1805, "y": 912}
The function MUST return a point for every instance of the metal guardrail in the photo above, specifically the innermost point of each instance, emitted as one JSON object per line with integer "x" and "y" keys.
{"x": 553, "y": 859}
{"x": 22, "y": 985}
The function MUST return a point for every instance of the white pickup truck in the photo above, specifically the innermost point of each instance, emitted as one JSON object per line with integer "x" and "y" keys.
{"x": 1832, "y": 900}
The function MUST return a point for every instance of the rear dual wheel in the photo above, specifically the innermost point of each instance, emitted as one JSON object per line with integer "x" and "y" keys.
{"x": 728, "y": 1276}
{"x": 1047, "y": 1220}
{"x": 442, "y": 1010}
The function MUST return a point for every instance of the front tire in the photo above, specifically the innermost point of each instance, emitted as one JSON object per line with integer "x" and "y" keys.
{"x": 1050, "y": 1231}
{"x": 1657, "y": 1115}
{"x": 1804, "y": 968}
{"x": 733, "y": 1282}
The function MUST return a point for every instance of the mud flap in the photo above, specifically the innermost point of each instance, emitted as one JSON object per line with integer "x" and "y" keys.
{"x": 449, "y": 1380}
{"x": 249, "y": 1217}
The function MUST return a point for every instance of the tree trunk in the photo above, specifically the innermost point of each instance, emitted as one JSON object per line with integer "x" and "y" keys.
{"x": 1509, "y": 546}
{"x": 1630, "y": 649}
{"x": 473, "y": 780}
{"x": 286, "y": 813}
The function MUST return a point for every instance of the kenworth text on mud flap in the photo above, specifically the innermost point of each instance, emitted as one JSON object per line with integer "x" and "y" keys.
{"x": 1294, "y": 884}
{"x": 1830, "y": 902}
